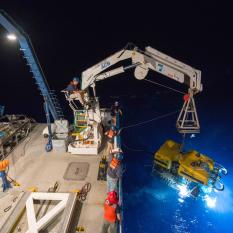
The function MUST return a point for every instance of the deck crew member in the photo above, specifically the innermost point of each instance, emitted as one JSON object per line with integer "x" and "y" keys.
{"x": 111, "y": 213}
{"x": 74, "y": 90}
{"x": 115, "y": 109}
{"x": 114, "y": 171}
{"x": 111, "y": 133}
{"x": 3, "y": 166}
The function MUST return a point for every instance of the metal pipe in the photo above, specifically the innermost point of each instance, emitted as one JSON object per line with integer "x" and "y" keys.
{"x": 115, "y": 71}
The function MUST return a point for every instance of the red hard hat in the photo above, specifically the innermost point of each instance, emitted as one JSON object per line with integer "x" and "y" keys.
{"x": 112, "y": 197}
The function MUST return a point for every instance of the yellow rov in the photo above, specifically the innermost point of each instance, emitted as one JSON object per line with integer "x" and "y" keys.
{"x": 193, "y": 166}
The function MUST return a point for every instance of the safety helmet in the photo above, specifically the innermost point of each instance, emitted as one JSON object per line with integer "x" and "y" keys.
{"x": 75, "y": 79}
{"x": 112, "y": 197}
{"x": 116, "y": 103}
{"x": 4, "y": 164}
{"x": 116, "y": 150}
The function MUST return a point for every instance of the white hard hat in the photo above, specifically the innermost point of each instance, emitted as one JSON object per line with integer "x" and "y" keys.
{"x": 116, "y": 150}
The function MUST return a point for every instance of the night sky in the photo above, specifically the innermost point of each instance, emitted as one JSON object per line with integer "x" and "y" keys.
{"x": 71, "y": 36}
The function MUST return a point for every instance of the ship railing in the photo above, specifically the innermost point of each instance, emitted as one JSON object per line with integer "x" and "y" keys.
{"x": 117, "y": 144}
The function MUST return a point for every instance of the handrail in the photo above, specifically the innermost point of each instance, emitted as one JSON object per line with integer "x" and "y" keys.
{"x": 117, "y": 143}
{"x": 121, "y": 204}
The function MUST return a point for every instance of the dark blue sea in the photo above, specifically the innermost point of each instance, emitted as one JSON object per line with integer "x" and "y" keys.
{"x": 150, "y": 205}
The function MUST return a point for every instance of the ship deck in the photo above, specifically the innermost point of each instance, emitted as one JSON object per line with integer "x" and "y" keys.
{"x": 31, "y": 166}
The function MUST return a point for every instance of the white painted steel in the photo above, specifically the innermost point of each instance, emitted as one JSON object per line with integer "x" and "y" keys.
{"x": 148, "y": 59}
{"x": 35, "y": 226}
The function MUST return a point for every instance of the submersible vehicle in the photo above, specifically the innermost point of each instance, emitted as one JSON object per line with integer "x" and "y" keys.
{"x": 191, "y": 168}
{"x": 58, "y": 166}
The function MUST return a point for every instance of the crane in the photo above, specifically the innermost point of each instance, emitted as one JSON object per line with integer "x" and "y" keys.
{"x": 142, "y": 62}
{"x": 192, "y": 165}
{"x": 51, "y": 103}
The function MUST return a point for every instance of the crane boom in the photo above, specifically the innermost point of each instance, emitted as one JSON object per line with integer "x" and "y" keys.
{"x": 142, "y": 61}
{"x": 173, "y": 68}
{"x": 152, "y": 59}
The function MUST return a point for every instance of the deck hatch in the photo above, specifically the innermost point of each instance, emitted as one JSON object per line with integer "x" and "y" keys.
{"x": 76, "y": 171}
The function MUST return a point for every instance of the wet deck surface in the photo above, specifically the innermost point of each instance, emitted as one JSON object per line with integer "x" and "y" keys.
{"x": 31, "y": 166}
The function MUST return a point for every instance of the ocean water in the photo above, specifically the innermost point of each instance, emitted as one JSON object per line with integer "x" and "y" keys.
{"x": 150, "y": 205}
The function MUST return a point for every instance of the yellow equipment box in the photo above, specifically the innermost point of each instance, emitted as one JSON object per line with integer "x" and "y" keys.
{"x": 169, "y": 152}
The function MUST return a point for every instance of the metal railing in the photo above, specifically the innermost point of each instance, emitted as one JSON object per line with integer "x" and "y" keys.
{"x": 121, "y": 204}
{"x": 117, "y": 143}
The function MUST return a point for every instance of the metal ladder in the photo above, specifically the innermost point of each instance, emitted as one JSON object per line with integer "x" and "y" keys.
{"x": 80, "y": 120}
{"x": 40, "y": 80}
{"x": 57, "y": 104}
{"x": 32, "y": 61}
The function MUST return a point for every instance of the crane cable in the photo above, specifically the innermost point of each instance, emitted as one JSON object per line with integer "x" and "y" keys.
{"x": 148, "y": 121}
{"x": 178, "y": 91}
{"x": 161, "y": 85}
{"x": 143, "y": 123}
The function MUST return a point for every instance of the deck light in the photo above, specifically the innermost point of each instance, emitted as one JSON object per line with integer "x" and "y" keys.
{"x": 11, "y": 37}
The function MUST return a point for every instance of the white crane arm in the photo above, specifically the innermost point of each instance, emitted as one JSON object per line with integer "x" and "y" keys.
{"x": 143, "y": 61}
{"x": 95, "y": 73}
{"x": 174, "y": 69}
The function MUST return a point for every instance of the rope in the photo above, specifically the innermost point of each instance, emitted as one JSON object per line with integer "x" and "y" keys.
{"x": 148, "y": 121}
{"x": 161, "y": 85}
{"x": 136, "y": 150}
{"x": 142, "y": 123}
{"x": 82, "y": 194}
{"x": 129, "y": 148}
{"x": 183, "y": 143}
